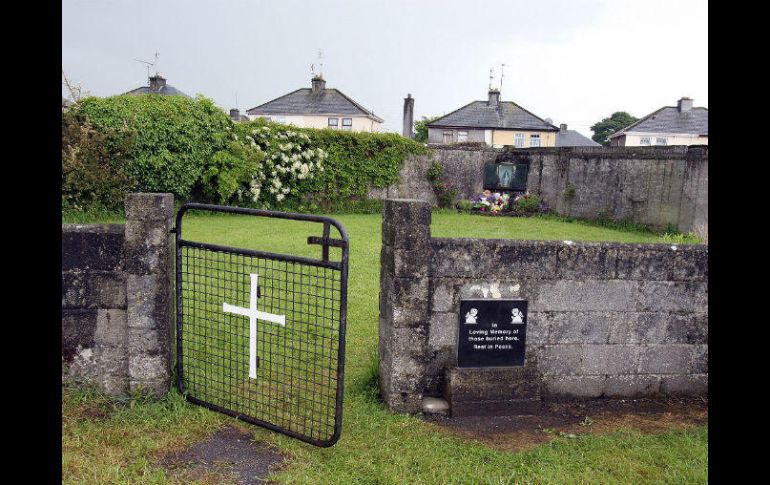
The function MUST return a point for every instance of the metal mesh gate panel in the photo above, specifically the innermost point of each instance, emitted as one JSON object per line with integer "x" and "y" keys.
{"x": 261, "y": 335}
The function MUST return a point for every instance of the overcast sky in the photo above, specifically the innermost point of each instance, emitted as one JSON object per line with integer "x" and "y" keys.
{"x": 575, "y": 62}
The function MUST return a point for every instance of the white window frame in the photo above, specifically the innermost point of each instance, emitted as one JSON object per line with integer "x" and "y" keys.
{"x": 451, "y": 134}
{"x": 347, "y": 124}
{"x": 335, "y": 125}
{"x": 518, "y": 140}
{"x": 644, "y": 139}
{"x": 462, "y": 136}
{"x": 534, "y": 137}
{"x": 658, "y": 141}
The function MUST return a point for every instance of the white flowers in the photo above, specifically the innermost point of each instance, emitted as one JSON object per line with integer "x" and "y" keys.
{"x": 289, "y": 160}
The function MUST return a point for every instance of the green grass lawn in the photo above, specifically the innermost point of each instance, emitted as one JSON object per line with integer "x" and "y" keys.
{"x": 106, "y": 441}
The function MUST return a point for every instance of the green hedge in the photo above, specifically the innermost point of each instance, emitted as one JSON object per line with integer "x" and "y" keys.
{"x": 191, "y": 148}
{"x": 175, "y": 136}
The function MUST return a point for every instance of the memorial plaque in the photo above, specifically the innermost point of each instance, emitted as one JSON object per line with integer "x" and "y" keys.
{"x": 492, "y": 333}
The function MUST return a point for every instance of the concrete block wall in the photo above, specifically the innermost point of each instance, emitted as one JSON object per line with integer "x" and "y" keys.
{"x": 116, "y": 299}
{"x": 605, "y": 319}
{"x": 649, "y": 185}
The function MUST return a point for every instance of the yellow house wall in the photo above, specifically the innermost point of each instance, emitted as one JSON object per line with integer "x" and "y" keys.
{"x": 506, "y": 137}
{"x": 360, "y": 123}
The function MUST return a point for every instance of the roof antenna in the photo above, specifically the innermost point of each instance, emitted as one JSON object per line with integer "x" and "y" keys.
{"x": 148, "y": 66}
{"x": 320, "y": 62}
{"x": 491, "y": 70}
{"x": 502, "y": 74}
{"x": 157, "y": 54}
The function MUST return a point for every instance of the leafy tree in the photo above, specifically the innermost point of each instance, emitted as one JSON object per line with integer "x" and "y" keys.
{"x": 421, "y": 128}
{"x": 606, "y": 127}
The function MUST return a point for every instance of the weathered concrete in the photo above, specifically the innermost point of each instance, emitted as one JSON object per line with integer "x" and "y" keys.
{"x": 605, "y": 319}
{"x": 659, "y": 186}
{"x": 116, "y": 299}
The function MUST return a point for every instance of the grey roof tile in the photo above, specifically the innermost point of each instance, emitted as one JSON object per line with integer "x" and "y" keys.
{"x": 670, "y": 120}
{"x": 571, "y": 138}
{"x": 303, "y": 101}
{"x": 165, "y": 91}
{"x": 507, "y": 114}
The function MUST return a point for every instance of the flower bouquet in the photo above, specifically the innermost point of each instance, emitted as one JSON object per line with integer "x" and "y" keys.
{"x": 491, "y": 203}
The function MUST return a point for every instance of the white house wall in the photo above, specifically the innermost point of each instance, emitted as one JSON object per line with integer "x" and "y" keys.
{"x": 634, "y": 139}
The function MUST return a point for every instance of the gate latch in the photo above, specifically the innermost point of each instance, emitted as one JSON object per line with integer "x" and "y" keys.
{"x": 326, "y": 242}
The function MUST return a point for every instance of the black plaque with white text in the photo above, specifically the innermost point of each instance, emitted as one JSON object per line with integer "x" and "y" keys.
{"x": 492, "y": 333}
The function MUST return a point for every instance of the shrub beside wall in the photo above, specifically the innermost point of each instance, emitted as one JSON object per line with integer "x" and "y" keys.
{"x": 191, "y": 148}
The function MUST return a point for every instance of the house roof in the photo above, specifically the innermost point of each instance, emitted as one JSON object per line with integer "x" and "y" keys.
{"x": 669, "y": 119}
{"x": 571, "y": 138}
{"x": 507, "y": 114}
{"x": 303, "y": 101}
{"x": 164, "y": 90}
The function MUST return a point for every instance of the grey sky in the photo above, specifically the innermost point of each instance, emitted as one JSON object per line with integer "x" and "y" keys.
{"x": 573, "y": 61}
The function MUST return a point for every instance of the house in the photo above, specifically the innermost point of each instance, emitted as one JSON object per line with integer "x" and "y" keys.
{"x": 571, "y": 138}
{"x": 157, "y": 85}
{"x": 235, "y": 115}
{"x": 493, "y": 122}
{"x": 318, "y": 107}
{"x": 670, "y": 125}
{"x": 65, "y": 103}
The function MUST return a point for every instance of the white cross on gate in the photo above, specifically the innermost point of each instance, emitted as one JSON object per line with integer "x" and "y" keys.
{"x": 254, "y": 315}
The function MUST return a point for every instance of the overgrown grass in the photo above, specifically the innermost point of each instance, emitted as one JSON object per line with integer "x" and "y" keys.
{"x": 120, "y": 445}
{"x": 93, "y": 216}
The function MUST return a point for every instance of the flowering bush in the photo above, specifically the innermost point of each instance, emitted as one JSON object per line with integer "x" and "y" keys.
{"x": 289, "y": 158}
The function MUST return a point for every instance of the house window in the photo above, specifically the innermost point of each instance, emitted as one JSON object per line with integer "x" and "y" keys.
{"x": 518, "y": 140}
{"x": 644, "y": 141}
{"x": 333, "y": 122}
{"x": 462, "y": 136}
{"x": 661, "y": 141}
{"x": 448, "y": 137}
{"x": 266, "y": 118}
{"x": 534, "y": 140}
{"x": 347, "y": 124}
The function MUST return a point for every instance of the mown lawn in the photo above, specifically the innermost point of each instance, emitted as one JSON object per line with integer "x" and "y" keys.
{"x": 105, "y": 441}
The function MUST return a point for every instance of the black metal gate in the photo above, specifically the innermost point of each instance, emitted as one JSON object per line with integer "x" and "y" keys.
{"x": 261, "y": 335}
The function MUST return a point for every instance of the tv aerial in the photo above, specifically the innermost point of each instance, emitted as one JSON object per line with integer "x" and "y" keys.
{"x": 149, "y": 64}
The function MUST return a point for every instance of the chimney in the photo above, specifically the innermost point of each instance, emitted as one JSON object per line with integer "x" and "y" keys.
{"x": 684, "y": 105}
{"x": 408, "y": 116}
{"x": 563, "y": 127}
{"x": 318, "y": 84}
{"x": 235, "y": 114}
{"x": 494, "y": 97}
{"x": 157, "y": 82}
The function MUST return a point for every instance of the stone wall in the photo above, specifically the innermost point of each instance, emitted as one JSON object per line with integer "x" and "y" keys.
{"x": 649, "y": 185}
{"x": 605, "y": 319}
{"x": 116, "y": 299}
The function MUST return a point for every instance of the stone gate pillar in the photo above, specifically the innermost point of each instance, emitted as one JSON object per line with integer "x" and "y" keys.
{"x": 148, "y": 252}
{"x": 404, "y": 264}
